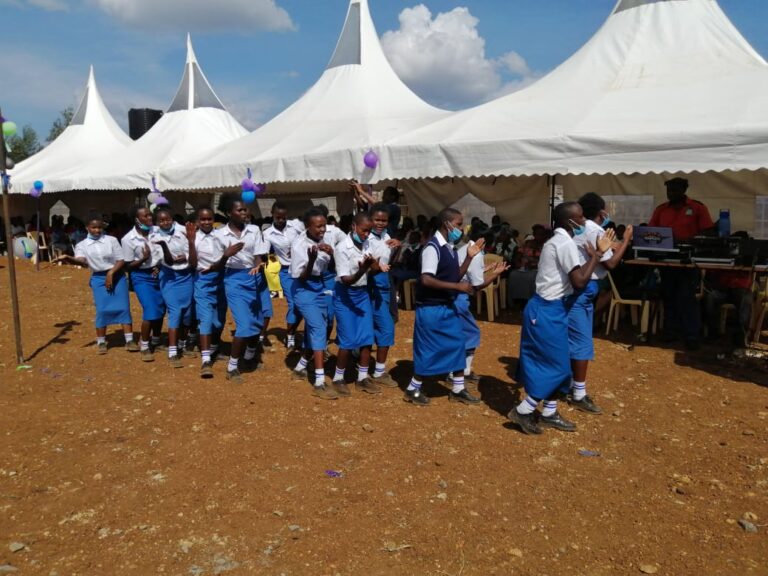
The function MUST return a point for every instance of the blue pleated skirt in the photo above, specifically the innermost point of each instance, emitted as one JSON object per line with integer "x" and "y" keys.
{"x": 468, "y": 322}
{"x": 312, "y": 304}
{"x": 243, "y": 301}
{"x": 286, "y": 283}
{"x": 112, "y": 306}
{"x": 354, "y": 316}
{"x": 438, "y": 341}
{"x": 581, "y": 317}
{"x": 264, "y": 298}
{"x": 383, "y": 324}
{"x": 178, "y": 287}
{"x": 545, "y": 365}
{"x": 210, "y": 303}
{"x": 147, "y": 288}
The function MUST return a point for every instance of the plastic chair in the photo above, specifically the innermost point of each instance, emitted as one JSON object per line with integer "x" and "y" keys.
{"x": 614, "y": 312}
{"x": 43, "y": 249}
{"x": 492, "y": 292}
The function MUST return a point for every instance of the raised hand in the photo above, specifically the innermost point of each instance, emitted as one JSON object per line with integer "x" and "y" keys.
{"x": 392, "y": 243}
{"x": 629, "y": 233}
{"x": 191, "y": 228}
{"x": 367, "y": 262}
{"x": 475, "y": 249}
{"x": 605, "y": 242}
{"x": 312, "y": 253}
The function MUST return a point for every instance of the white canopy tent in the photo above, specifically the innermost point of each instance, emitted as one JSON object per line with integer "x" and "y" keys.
{"x": 92, "y": 135}
{"x": 357, "y": 104}
{"x": 195, "y": 122}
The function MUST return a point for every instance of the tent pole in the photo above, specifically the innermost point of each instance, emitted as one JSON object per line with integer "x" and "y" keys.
{"x": 37, "y": 258}
{"x": 9, "y": 246}
{"x": 552, "y": 183}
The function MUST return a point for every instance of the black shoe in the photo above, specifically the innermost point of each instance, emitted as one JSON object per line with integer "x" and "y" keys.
{"x": 585, "y": 405}
{"x": 526, "y": 422}
{"x": 206, "y": 371}
{"x": 234, "y": 376}
{"x": 416, "y": 397}
{"x": 251, "y": 365}
{"x": 557, "y": 422}
{"x": 464, "y": 397}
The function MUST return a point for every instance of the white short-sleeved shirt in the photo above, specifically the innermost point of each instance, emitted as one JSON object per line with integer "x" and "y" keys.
{"x": 333, "y": 236}
{"x": 379, "y": 248}
{"x": 280, "y": 241}
{"x": 476, "y": 272}
{"x": 300, "y": 258}
{"x": 133, "y": 248}
{"x": 348, "y": 257}
{"x": 559, "y": 257}
{"x": 209, "y": 249}
{"x": 591, "y": 235}
{"x": 252, "y": 246}
{"x": 177, "y": 243}
{"x": 101, "y": 254}
{"x": 430, "y": 257}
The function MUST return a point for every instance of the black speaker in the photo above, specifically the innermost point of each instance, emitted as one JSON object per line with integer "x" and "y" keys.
{"x": 140, "y": 120}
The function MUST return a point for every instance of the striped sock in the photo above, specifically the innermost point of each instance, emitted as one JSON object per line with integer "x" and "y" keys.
{"x": 129, "y": 337}
{"x": 250, "y": 353}
{"x": 302, "y": 365}
{"x": 550, "y": 408}
{"x": 458, "y": 384}
{"x": 101, "y": 340}
{"x": 527, "y": 406}
{"x": 143, "y": 345}
{"x": 206, "y": 354}
{"x": 414, "y": 384}
{"x": 232, "y": 364}
{"x": 380, "y": 369}
{"x": 291, "y": 341}
{"x": 579, "y": 390}
{"x": 172, "y": 351}
{"x": 362, "y": 373}
{"x": 319, "y": 377}
{"x": 339, "y": 375}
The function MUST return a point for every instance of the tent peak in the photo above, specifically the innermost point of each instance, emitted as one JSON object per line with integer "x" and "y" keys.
{"x": 629, "y": 4}
{"x": 195, "y": 91}
{"x": 190, "y": 50}
{"x": 349, "y": 46}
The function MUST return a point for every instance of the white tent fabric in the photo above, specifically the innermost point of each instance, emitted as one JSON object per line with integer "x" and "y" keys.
{"x": 664, "y": 85}
{"x": 357, "y": 104}
{"x": 92, "y": 135}
{"x": 195, "y": 123}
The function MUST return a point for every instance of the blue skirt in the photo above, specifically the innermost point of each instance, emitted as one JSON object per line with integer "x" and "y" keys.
{"x": 112, "y": 306}
{"x": 312, "y": 304}
{"x": 243, "y": 300}
{"x": 468, "y": 322}
{"x": 545, "y": 365}
{"x": 383, "y": 324}
{"x": 264, "y": 297}
{"x": 210, "y": 303}
{"x": 178, "y": 287}
{"x": 354, "y": 317}
{"x": 329, "y": 284}
{"x": 147, "y": 288}
{"x": 438, "y": 341}
{"x": 286, "y": 283}
{"x": 581, "y": 321}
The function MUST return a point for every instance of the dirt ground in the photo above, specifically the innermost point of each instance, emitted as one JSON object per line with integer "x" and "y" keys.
{"x": 111, "y": 466}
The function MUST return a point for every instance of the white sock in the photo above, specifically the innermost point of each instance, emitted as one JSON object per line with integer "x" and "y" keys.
{"x": 414, "y": 384}
{"x": 206, "y": 354}
{"x": 143, "y": 345}
{"x": 250, "y": 353}
{"x": 172, "y": 351}
{"x": 261, "y": 337}
{"x": 302, "y": 365}
{"x": 550, "y": 407}
{"x": 468, "y": 369}
{"x": 362, "y": 373}
{"x": 339, "y": 375}
{"x": 380, "y": 369}
{"x": 527, "y": 406}
{"x": 579, "y": 390}
{"x": 232, "y": 364}
{"x": 129, "y": 337}
{"x": 101, "y": 339}
{"x": 291, "y": 340}
{"x": 458, "y": 384}
{"x": 320, "y": 377}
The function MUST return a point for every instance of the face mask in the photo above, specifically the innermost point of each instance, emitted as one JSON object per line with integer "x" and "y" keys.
{"x": 606, "y": 220}
{"x": 356, "y": 238}
{"x": 578, "y": 230}
{"x": 169, "y": 231}
{"x": 454, "y": 235}
{"x": 143, "y": 227}
{"x": 92, "y": 237}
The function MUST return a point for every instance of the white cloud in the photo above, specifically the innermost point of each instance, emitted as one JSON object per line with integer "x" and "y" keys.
{"x": 51, "y": 5}
{"x": 443, "y": 58}
{"x": 199, "y": 15}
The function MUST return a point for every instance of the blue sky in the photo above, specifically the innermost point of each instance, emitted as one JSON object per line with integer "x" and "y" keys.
{"x": 260, "y": 55}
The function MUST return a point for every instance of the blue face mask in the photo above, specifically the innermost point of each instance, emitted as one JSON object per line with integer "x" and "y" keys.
{"x": 143, "y": 227}
{"x": 92, "y": 237}
{"x": 454, "y": 235}
{"x": 357, "y": 238}
{"x": 578, "y": 229}
{"x": 606, "y": 220}
{"x": 170, "y": 230}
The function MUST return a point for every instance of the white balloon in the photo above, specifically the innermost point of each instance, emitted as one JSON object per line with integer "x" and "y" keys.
{"x": 152, "y": 207}
{"x": 24, "y": 248}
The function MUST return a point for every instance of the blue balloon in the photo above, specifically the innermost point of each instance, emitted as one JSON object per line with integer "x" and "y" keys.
{"x": 248, "y": 196}
{"x": 38, "y": 185}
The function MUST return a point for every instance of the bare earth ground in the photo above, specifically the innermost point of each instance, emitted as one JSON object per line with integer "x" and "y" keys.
{"x": 111, "y": 466}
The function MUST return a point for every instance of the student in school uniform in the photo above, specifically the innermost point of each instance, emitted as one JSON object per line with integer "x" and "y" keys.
{"x": 104, "y": 256}
{"x": 581, "y": 304}
{"x": 265, "y": 298}
{"x": 438, "y": 337}
{"x": 240, "y": 284}
{"x": 544, "y": 367}
{"x": 383, "y": 248}
{"x": 311, "y": 257}
{"x": 280, "y": 236}
{"x": 177, "y": 278}
{"x": 352, "y": 304}
{"x": 479, "y": 279}
{"x": 142, "y": 260}
{"x": 333, "y": 237}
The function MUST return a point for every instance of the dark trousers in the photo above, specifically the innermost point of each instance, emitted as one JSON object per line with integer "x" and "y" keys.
{"x": 682, "y": 310}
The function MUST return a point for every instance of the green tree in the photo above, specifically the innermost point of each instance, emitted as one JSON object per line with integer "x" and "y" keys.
{"x": 61, "y": 123}
{"x": 24, "y": 145}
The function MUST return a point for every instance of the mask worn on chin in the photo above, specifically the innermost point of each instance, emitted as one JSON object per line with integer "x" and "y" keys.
{"x": 170, "y": 230}
{"x": 454, "y": 235}
{"x": 92, "y": 237}
{"x": 606, "y": 220}
{"x": 357, "y": 238}
{"x": 143, "y": 227}
{"x": 578, "y": 229}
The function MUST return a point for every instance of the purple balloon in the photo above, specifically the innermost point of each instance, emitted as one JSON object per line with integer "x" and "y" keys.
{"x": 247, "y": 185}
{"x": 260, "y": 188}
{"x": 162, "y": 201}
{"x": 35, "y": 193}
{"x": 371, "y": 160}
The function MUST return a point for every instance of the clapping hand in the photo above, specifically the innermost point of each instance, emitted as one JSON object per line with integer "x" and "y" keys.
{"x": 366, "y": 262}
{"x": 475, "y": 249}
{"x": 191, "y": 229}
{"x": 605, "y": 242}
{"x": 325, "y": 248}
